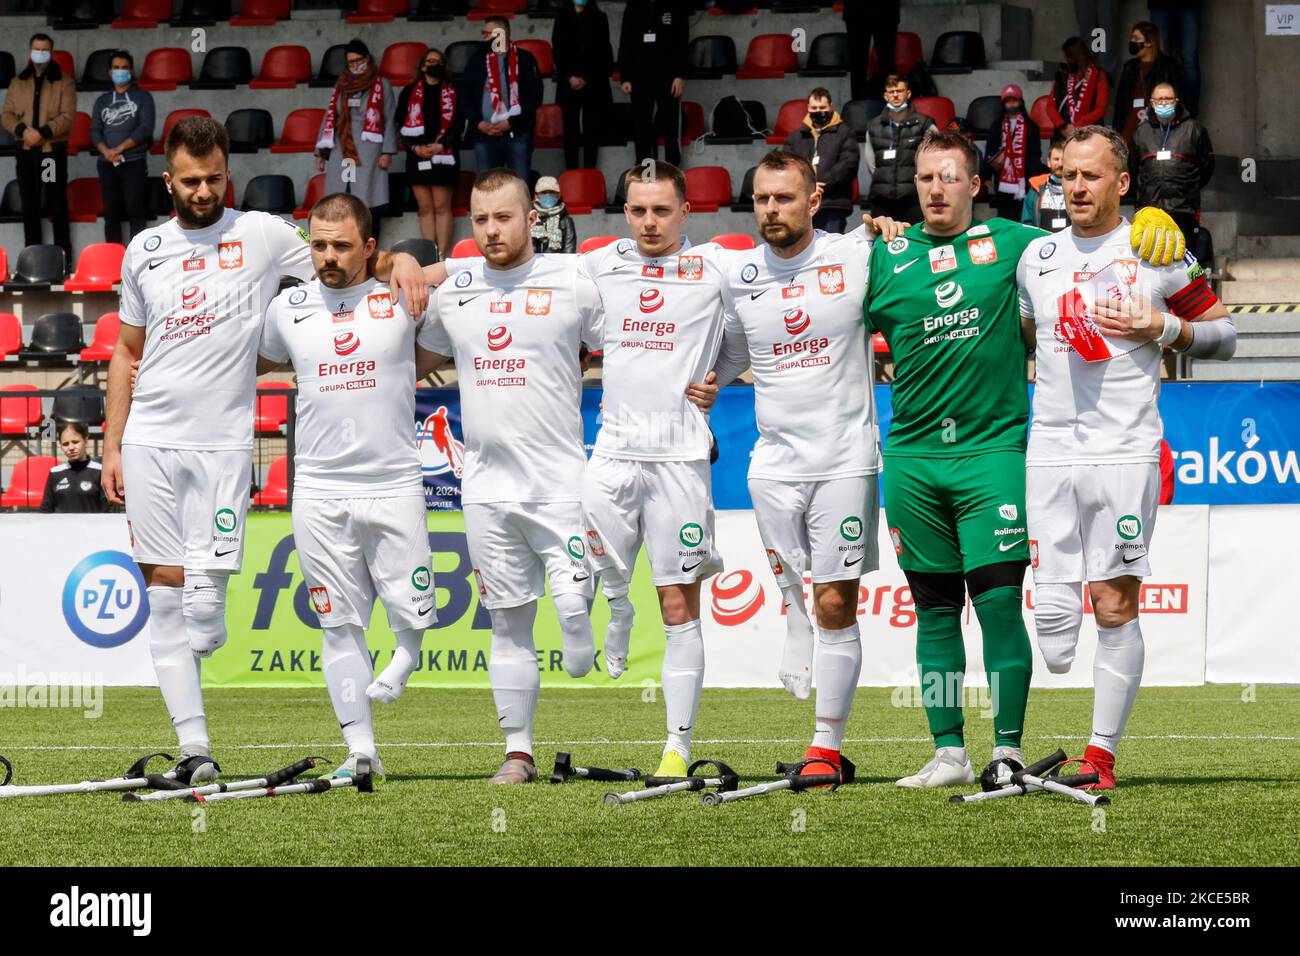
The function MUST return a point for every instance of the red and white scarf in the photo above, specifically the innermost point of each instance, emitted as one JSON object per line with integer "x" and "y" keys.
{"x": 500, "y": 110}
{"x": 1076, "y": 88}
{"x": 1011, "y": 178}
{"x": 373, "y": 129}
{"x": 414, "y": 123}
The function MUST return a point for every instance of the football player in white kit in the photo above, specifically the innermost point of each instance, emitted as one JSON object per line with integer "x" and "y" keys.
{"x": 515, "y": 322}
{"x": 359, "y": 520}
{"x": 194, "y": 293}
{"x": 1099, "y": 317}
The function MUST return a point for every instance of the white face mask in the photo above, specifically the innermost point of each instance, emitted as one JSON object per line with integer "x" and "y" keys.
{"x": 359, "y": 68}
{"x": 40, "y": 57}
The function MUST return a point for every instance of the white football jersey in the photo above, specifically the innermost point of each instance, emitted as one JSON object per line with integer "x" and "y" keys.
{"x": 801, "y": 321}
{"x": 201, "y": 295}
{"x": 515, "y": 336}
{"x": 663, "y": 328}
{"x": 353, "y": 352}
{"x": 1093, "y": 412}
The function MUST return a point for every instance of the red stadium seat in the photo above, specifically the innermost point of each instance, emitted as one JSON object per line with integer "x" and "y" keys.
{"x": 1039, "y": 114}
{"x": 174, "y": 117}
{"x": 734, "y": 240}
{"x": 79, "y": 135}
{"x": 275, "y": 491}
{"x": 19, "y": 414}
{"x": 938, "y": 108}
{"x": 11, "y": 335}
{"x": 770, "y": 56}
{"x": 85, "y": 203}
{"x": 315, "y": 191}
{"x": 460, "y": 198}
{"x": 708, "y": 188}
{"x": 789, "y": 119}
{"x": 466, "y": 249}
{"x": 65, "y": 61}
{"x": 283, "y": 68}
{"x": 582, "y": 190}
{"x": 907, "y": 54}
{"x": 400, "y": 60}
{"x": 378, "y": 11}
{"x": 99, "y": 267}
{"x": 166, "y": 68}
{"x": 272, "y": 410}
{"x": 693, "y": 127}
{"x": 299, "y": 132}
{"x": 596, "y": 242}
{"x": 548, "y": 127}
{"x": 261, "y": 13}
{"x": 497, "y": 8}
{"x": 143, "y": 14}
{"x": 27, "y": 483}
{"x": 101, "y": 347}
{"x": 4, "y": 266}
{"x": 879, "y": 345}
{"x": 541, "y": 51}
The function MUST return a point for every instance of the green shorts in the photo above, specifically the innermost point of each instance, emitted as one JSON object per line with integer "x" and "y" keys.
{"x": 956, "y": 514}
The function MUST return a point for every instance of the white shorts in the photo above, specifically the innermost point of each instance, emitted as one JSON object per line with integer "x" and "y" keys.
{"x": 828, "y": 527}
{"x": 516, "y": 546}
{"x": 352, "y": 550}
{"x": 666, "y": 504}
{"x": 186, "y": 508}
{"x": 1091, "y": 522}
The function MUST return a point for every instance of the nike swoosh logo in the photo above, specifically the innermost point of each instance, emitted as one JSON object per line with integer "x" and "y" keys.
{"x": 849, "y": 564}
{"x": 682, "y": 730}
{"x": 687, "y": 569}
{"x": 905, "y": 265}
{"x": 1043, "y": 272}
{"x": 1131, "y": 560}
{"x": 1008, "y": 545}
{"x": 203, "y": 587}
{"x": 755, "y": 295}
{"x": 222, "y": 554}
{"x": 581, "y": 577}
{"x": 426, "y": 610}
{"x": 463, "y": 302}
{"x": 301, "y": 318}
{"x": 348, "y": 724}
{"x": 156, "y": 264}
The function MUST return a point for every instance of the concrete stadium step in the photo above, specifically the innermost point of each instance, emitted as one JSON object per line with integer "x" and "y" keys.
{"x": 1266, "y": 323}
{"x": 1251, "y": 291}
{"x": 1259, "y": 269}
{"x": 1246, "y": 370}
{"x": 1251, "y": 246}
{"x": 1259, "y": 346}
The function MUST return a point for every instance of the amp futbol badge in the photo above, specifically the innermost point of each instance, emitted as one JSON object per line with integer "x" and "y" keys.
{"x": 943, "y": 259}
{"x": 982, "y": 251}
{"x": 538, "y": 302}
{"x": 690, "y": 268}
{"x": 230, "y": 255}
{"x": 830, "y": 280}
{"x": 792, "y": 292}
{"x": 652, "y": 272}
{"x": 380, "y": 305}
{"x": 500, "y": 307}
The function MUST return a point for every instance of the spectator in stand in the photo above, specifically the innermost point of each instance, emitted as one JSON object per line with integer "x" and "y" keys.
{"x": 867, "y": 23}
{"x": 1179, "y": 22}
{"x": 1173, "y": 159}
{"x": 1081, "y": 91}
{"x": 429, "y": 123}
{"x": 1099, "y": 15}
{"x": 826, "y": 141}
{"x": 1014, "y": 155}
{"x": 1139, "y": 77}
{"x": 1045, "y": 202}
{"x": 499, "y": 94}
{"x": 894, "y": 136}
{"x": 40, "y": 108}
{"x": 651, "y": 63}
{"x": 358, "y": 138}
{"x": 121, "y": 129}
{"x": 74, "y": 487}
{"x": 584, "y": 63}
{"x": 554, "y": 230}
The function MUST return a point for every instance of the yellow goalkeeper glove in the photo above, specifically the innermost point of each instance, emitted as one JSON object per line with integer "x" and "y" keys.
{"x": 1156, "y": 238}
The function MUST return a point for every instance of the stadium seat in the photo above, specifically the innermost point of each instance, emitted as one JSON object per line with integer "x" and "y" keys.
{"x": 55, "y": 337}
{"x": 202, "y": 13}
{"x": 432, "y": 10}
{"x": 82, "y": 15}
{"x": 615, "y": 205}
{"x": 166, "y": 68}
{"x": 332, "y": 62}
{"x": 908, "y": 53}
{"x": 858, "y": 113}
{"x": 541, "y": 51}
{"x": 79, "y": 135}
{"x": 400, "y": 60}
{"x": 879, "y": 345}
{"x": 466, "y": 249}
{"x": 66, "y": 63}
{"x": 828, "y": 56}
{"x": 708, "y": 188}
{"x": 250, "y": 130}
{"x": 27, "y": 482}
{"x": 731, "y": 128}
{"x": 582, "y": 190}
{"x": 983, "y": 113}
{"x": 789, "y": 119}
{"x": 744, "y": 201}
{"x": 692, "y": 122}
{"x": 4, "y": 265}
{"x": 378, "y": 11}
{"x": 592, "y": 243}
{"x": 101, "y": 345}
{"x": 19, "y": 414}
{"x": 734, "y": 240}
{"x": 460, "y": 197}
{"x": 299, "y": 132}
{"x": 143, "y": 14}
{"x": 275, "y": 490}
{"x": 269, "y": 193}
{"x": 794, "y": 6}
{"x": 224, "y": 68}
{"x": 460, "y": 53}
{"x": 11, "y": 335}
{"x": 959, "y": 51}
{"x": 620, "y": 125}
{"x": 99, "y": 267}
{"x": 770, "y": 56}
{"x": 94, "y": 72}
{"x": 11, "y": 203}
{"x": 174, "y": 117}
{"x": 544, "y": 9}
{"x": 79, "y": 404}
{"x": 7, "y": 70}
{"x": 283, "y": 68}
{"x": 711, "y": 57}
{"x": 938, "y": 108}
{"x": 272, "y": 409}
{"x": 315, "y": 191}
{"x": 497, "y": 8}
{"x": 424, "y": 250}
{"x": 1040, "y": 114}
{"x": 85, "y": 203}
{"x": 160, "y": 200}
{"x": 39, "y": 267}
{"x": 721, "y": 11}
{"x": 548, "y": 127}
{"x": 261, "y": 13}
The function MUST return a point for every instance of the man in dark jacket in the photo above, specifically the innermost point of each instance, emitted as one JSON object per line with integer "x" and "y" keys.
{"x": 652, "y": 64}
{"x": 121, "y": 129}
{"x": 584, "y": 62}
{"x": 499, "y": 95}
{"x": 895, "y": 134}
{"x": 1149, "y": 66}
{"x": 1173, "y": 159}
{"x": 867, "y": 22}
{"x": 829, "y": 145}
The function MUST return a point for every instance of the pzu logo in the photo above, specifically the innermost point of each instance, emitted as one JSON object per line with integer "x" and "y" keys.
{"x": 104, "y": 602}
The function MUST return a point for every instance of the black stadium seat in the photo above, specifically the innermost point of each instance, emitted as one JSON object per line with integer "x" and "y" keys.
{"x": 711, "y": 57}
{"x": 224, "y": 68}
{"x": 424, "y": 250}
{"x": 81, "y": 14}
{"x": 56, "y": 336}
{"x": 84, "y": 405}
{"x": 984, "y": 113}
{"x": 94, "y": 74}
{"x": 857, "y": 113}
{"x": 6, "y": 68}
{"x": 427, "y": 10}
{"x": 615, "y": 205}
{"x": 39, "y": 267}
{"x": 460, "y": 53}
{"x": 828, "y": 56}
{"x": 269, "y": 193}
{"x": 730, "y": 128}
{"x": 958, "y": 52}
{"x": 203, "y": 13}
{"x": 160, "y": 200}
{"x": 11, "y": 203}
{"x": 250, "y": 130}
{"x": 332, "y": 63}
{"x": 745, "y": 198}
{"x": 544, "y": 9}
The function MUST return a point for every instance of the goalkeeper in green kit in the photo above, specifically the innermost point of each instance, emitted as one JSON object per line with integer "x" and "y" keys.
{"x": 944, "y": 296}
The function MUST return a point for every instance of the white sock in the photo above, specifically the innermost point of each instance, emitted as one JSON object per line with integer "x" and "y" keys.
{"x": 683, "y": 676}
{"x": 575, "y": 633}
{"x": 178, "y": 669}
{"x": 345, "y": 659}
{"x": 797, "y": 656}
{"x": 618, "y": 635}
{"x": 513, "y": 673}
{"x": 388, "y": 686}
{"x": 839, "y": 662}
{"x": 1116, "y": 676}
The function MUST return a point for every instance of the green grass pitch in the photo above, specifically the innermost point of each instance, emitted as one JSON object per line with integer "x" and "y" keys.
{"x": 1206, "y": 778}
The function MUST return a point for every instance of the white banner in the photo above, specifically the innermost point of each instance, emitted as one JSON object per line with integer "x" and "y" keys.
{"x": 73, "y": 608}
{"x": 744, "y": 622}
{"x": 1252, "y": 632}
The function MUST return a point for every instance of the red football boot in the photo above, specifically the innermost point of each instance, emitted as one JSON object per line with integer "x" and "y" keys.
{"x": 1101, "y": 761}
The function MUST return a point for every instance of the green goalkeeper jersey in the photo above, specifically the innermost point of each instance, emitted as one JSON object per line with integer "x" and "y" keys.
{"x": 949, "y": 308}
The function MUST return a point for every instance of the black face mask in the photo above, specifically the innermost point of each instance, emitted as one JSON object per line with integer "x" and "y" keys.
{"x": 1135, "y": 48}
{"x": 435, "y": 72}
{"x": 819, "y": 119}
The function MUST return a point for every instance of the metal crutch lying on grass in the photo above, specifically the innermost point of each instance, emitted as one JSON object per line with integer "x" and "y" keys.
{"x": 278, "y": 778}
{"x": 1030, "y": 780}
{"x": 134, "y": 779}
{"x": 363, "y": 781}
{"x": 726, "y": 779}
{"x": 794, "y": 779}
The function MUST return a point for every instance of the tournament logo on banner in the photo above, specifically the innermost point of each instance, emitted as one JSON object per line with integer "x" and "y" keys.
{"x": 438, "y": 434}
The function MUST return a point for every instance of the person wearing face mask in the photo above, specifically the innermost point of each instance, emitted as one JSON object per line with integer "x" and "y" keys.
{"x": 894, "y": 136}
{"x": 1014, "y": 154}
{"x": 1045, "y": 201}
{"x": 40, "y": 108}
{"x": 554, "y": 230}
{"x": 430, "y": 123}
{"x": 1173, "y": 159}
{"x": 584, "y": 63}
{"x": 1148, "y": 67}
{"x": 121, "y": 129}
{"x": 828, "y": 144}
{"x": 74, "y": 487}
{"x": 1081, "y": 91}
